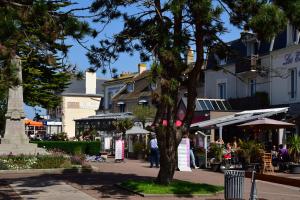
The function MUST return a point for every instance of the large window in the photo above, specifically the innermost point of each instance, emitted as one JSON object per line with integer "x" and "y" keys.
{"x": 213, "y": 104}
{"x": 293, "y": 83}
{"x": 252, "y": 87}
{"x": 222, "y": 90}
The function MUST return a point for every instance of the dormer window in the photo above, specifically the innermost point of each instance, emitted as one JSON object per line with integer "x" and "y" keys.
{"x": 250, "y": 48}
{"x": 153, "y": 85}
{"x": 130, "y": 87}
{"x": 292, "y": 35}
{"x": 220, "y": 61}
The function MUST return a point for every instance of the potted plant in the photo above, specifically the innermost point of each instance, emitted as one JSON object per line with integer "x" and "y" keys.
{"x": 294, "y": 149}
{"x": 249, "y": 151}
{"x": 200, "y": 156}
{"x": 138, "y": 149}
{"x": 215, "y": 153}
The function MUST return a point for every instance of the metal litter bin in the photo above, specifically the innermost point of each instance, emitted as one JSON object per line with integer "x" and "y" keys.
{"x": 234, "y": 184}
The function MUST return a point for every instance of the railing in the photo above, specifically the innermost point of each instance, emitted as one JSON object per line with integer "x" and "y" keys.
{"x": 259, "y": 101}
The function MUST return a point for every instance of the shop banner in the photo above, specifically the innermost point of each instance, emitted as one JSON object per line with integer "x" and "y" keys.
{"x": 184, "y": 155}
{"x": 119, "y": 150}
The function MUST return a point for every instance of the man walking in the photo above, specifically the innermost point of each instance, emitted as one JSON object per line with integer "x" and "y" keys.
{"x": 154, "y": 156}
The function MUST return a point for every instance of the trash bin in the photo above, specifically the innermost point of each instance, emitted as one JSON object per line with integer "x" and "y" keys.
{"x": 234, "y": 184}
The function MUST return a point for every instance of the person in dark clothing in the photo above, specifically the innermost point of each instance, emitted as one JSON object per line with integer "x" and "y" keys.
{"x": 154, "y": 155}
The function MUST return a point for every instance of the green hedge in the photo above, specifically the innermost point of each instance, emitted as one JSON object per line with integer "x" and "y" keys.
{"x": 90, "y": 148}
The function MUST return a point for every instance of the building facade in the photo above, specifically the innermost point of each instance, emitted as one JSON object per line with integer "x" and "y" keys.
{"x": 81, "y": 99}
{"x": 258, "y": 74}
{"x": 136, "y": 91}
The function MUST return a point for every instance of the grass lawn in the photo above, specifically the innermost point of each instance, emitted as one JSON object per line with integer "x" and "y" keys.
{"x": 176, "y": 187}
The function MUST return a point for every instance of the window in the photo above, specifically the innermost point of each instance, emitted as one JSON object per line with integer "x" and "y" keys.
{"x": 250, "y": 48}
{"x": 291, "y": 34}
{"x": 153, "y": 85}
{"x": 130, "y": 87}
{"x": 122, "y": 108}
{"x": 252, "y": 87}
{"x": 293, "y": 83}
{"x": 222, "y": 90}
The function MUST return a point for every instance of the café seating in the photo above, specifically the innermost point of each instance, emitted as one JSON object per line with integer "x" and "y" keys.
{"x": 267, "y": 167}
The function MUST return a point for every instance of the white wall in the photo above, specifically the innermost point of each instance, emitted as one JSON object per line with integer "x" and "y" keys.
{"x": 76, "y": 108}
{"x": 280, "y": 77}
{"x": 237, "y": 85}
{"x": 212, "y": 78}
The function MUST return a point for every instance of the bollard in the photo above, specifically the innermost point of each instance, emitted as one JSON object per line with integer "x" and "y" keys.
{"x": 234, "y": 184}
{"x": 253, "y": 194}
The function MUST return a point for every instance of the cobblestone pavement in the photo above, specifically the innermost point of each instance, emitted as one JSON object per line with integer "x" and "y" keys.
{"x": 100, "y": 185}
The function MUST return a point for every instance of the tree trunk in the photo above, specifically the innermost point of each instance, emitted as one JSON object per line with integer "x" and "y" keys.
{"x": 168, "y": 155}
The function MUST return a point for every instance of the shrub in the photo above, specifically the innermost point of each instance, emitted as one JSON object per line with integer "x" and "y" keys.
{"x": 34, "y": 162}
{"x": 71, "y": 147}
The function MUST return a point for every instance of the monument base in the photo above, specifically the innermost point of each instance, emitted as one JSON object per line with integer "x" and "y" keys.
{"x": 26, "y": 149}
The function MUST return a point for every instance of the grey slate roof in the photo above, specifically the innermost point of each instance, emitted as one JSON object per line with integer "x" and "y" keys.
{"x": 240, "y": 50}
{"x": 77, "y": 88}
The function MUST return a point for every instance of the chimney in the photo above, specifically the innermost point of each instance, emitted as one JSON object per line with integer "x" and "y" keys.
{"x": 190, "y": 56}
{"x": 90, "y": 82}
{"x": 142, "y": 67}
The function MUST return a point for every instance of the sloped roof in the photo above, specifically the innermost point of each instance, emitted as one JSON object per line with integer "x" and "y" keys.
{"x": 122, "y": 79}
{"x": 141, "y": 88}
{"x": 77, "y": 87}
{"x": 239, "y": 49}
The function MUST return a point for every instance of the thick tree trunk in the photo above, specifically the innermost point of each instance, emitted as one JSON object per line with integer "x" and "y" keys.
{"x": 168, "y": 156}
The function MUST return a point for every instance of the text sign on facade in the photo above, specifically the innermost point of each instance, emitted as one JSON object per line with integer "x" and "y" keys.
{"x": 290, "y": 58}
{"x": 184, "y": 155}
{"x": 119, "y": 150}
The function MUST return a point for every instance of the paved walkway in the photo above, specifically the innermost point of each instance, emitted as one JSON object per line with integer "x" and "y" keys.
{"x": 101, "y": 185}
{"x": 47, "y": 190}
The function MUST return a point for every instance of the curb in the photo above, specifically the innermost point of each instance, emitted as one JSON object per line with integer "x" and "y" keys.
{"x": 47, "y": 171}
{"x": 166, "y": 195}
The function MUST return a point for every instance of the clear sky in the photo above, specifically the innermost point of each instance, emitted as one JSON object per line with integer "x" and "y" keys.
{"x": 126, "y": 63}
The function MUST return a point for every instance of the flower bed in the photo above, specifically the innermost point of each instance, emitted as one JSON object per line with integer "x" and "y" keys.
{"x": 17, "y": 162}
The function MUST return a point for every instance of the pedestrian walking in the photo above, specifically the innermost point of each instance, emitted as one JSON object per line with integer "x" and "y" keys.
{"x": 154, "y": 152}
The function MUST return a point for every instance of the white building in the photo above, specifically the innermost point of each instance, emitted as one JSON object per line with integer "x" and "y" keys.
{"x": 81, "y": 99}
{"x": 254, "y": 68}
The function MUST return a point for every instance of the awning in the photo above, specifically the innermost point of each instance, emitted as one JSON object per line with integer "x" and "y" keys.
{"x": 240, "y": 117}
{"x": 136, "y": 130}
{"x": 267, "y": 123}
{"x": 29, "y": 122}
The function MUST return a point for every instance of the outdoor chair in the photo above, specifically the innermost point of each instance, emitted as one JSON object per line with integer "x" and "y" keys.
{"x": 267, "y": 167}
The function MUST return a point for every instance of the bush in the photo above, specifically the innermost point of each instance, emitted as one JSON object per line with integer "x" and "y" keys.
{"x": 71, "y": 147}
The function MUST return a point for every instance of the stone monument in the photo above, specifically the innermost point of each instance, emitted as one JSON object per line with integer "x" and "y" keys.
{"x": 15, "y": 140}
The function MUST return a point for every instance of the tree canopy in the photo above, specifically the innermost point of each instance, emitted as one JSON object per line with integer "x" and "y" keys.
{"x": 36, "y": 31}
{"x": 163, "y": 31}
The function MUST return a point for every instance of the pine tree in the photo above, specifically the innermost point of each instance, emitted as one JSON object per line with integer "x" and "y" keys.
{"x": 36, "y": 30}
{"x": 163, "y": 30}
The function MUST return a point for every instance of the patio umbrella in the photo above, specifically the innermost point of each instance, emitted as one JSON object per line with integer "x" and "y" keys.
{"x": 136, "y": 130}
{"x": 267, "y": 123}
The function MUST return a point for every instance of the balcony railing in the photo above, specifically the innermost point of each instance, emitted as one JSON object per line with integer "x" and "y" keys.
{"x": 245, "y": 64}
{"x": 259, "y": 101}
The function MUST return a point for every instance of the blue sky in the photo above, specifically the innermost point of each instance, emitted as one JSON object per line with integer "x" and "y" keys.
{"x": 126, "y": 63}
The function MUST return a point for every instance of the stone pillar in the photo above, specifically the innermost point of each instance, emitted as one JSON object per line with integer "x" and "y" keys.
{"x": 15, "y": 140}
